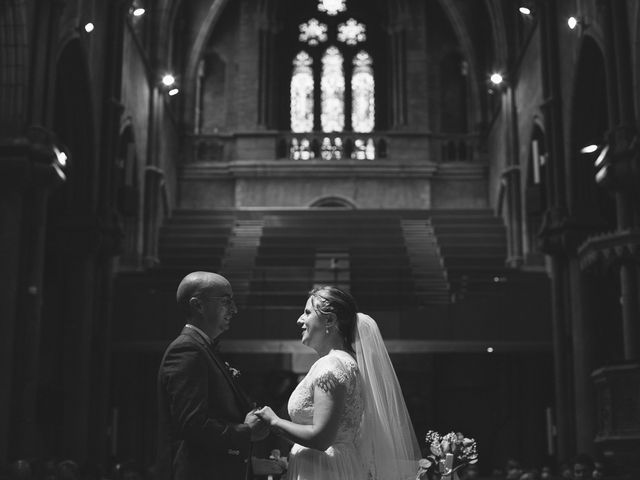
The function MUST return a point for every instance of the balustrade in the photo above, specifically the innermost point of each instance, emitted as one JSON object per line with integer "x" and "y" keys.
{"x": 319, "y": 146}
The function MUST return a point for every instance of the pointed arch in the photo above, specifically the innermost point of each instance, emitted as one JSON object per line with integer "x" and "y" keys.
{"x": 302, "y": 93}
{"x": 457, "y": 22}
{"x": 362, "y": 94}
{"x": 204, "y": 27}
{"x": 332, "y": 86}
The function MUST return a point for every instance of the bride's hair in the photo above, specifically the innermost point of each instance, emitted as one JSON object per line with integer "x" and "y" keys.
{"x": 328, "y": 299}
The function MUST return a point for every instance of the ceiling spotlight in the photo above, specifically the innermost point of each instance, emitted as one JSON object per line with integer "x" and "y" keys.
{"x": 496, "y": 78}
{"x": 89, "y": 27}
{"x": 589, "y": 148}
{"x": 490, "y": 350}
{"x": 525, "y": 10}
{"x": 168, "y": 80}
{"x": 173, "y": 91}
{"x": 138, "y": 12}
{"x": 572, "y": 22}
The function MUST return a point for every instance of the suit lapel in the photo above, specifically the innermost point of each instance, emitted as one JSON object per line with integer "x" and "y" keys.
{"x": 242, "y": 397}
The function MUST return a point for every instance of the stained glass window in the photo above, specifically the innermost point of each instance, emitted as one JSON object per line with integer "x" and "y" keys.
{"x": 332, "y": 89}
{"x": 332, "y": 7}
{"x": 362, "y": 94}
{"x": 302, "y": 94}
{"x": 313, "y": 32}
{"x": 352, "y": 32}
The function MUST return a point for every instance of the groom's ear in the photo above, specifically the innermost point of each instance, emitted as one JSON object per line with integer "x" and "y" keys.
{"x": 195, "y": 305}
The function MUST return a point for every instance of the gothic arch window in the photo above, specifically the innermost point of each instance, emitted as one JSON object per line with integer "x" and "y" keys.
{"x": 363, "y": 97}
{"x": 302, "y": 94}
{"x": 332, "y": 91}
{"x": 332, "y": 85}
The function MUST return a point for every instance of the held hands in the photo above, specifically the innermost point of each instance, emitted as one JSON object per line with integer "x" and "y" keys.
{"x": 259, "y": 428}
{"x": 268, "y": 416}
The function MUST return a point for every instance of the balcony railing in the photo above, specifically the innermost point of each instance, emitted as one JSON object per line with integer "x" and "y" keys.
{"x": 390, "y": 146}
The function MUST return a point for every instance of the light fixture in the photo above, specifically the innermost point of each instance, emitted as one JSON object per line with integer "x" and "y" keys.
{"x": 525, "y": 10}
{"x": 496, "y": 78}
{"x": 89, "y": 27}
{"x": 173, "y": 91}
{"x": 168, "y": 80}
{"x": 61, "y": 157}
{"x": 138, "y": 11}
{"x": 573, "y": 22}
{"x": 602, "y": 165}
{"x": 489, "y": 349}
{"x": 589, "y": 148}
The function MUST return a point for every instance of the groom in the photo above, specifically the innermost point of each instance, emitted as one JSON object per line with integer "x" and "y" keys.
{"x": 205, "y": 431}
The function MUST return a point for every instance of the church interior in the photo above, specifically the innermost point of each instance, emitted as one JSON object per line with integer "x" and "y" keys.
{"x": 468, "y": 169}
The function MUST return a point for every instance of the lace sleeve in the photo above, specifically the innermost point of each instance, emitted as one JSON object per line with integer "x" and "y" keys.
{"x": 332, "y": 377}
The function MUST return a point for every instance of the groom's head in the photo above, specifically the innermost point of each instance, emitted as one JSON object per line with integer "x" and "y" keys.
{"x": 206, "y": 299}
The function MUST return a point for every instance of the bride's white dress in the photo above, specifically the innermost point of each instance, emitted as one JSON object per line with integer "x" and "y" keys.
{"x": 342, "y": 460}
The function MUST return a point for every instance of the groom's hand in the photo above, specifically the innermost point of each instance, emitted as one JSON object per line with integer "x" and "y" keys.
{"x": 259, "y": 429}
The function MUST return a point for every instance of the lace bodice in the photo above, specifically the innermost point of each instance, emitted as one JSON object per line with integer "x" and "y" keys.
{"x": 335, "y": 370}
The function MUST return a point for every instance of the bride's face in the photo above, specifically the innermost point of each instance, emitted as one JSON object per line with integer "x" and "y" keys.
{"x": 313, "y": 326}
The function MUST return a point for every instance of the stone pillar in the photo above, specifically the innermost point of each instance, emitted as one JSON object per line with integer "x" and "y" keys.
{"x": 43, "y": 176}
{"x": 14, "y": 175}
{"x": 561, "y": 359}
{"x": 398, "y": 60}
{"x": 152, "y": 178}
{"x": 583, "y": 346}
{"x": 630, "y": 314}
{"x": 513, "y": 178}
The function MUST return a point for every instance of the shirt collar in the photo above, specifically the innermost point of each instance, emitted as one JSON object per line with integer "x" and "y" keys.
{"x": 202, "y": 334}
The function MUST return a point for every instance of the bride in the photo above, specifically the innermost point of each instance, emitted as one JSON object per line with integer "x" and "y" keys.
{"x": 349, "y": 420}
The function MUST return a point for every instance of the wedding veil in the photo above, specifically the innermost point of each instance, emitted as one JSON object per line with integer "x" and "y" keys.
{"x": 389, "y": 446}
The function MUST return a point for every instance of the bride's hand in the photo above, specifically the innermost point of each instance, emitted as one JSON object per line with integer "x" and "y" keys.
{"x": 268, "y": 415}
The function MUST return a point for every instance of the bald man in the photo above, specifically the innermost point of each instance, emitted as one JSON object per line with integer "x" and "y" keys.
{"x": 206, "y": 425}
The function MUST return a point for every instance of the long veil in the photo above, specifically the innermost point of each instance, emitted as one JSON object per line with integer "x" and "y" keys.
{"x": 388, "y": 446}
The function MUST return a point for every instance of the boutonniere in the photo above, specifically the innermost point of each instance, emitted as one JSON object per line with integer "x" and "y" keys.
{"x": 234, "y": 372}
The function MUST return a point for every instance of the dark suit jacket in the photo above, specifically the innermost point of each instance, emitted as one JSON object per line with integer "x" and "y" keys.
{"x": 201, "y": 414}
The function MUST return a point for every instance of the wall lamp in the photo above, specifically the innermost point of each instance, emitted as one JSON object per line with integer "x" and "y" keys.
{"x": 577, "y": 22}
{"x": 496, "y": 82}
{"x": 524, "y": 10}
{"x": 496, "y": 79}
{"x": 169, "y": 84}
{"x": 137, "y": 8}
{"x": 602, "y": 161}
{"x": 48, "y": 151}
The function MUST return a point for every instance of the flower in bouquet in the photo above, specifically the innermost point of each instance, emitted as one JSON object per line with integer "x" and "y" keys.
{"x": 447, "y": 454}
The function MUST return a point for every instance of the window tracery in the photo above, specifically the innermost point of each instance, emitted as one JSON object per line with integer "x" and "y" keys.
{"x": 313, "y": 32}
{"x": 319, "y": 82}
{"x": 332, "y": 7}
{"x": 352, "y": 32}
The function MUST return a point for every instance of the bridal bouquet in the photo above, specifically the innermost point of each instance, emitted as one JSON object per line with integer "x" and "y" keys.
{"x": 448, "y": 454}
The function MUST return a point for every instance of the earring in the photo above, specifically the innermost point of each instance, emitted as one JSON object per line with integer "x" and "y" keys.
{"x": 326, "y": 331}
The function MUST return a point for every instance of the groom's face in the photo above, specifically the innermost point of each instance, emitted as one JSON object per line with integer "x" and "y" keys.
{"x": 218, "y": 311}
{"x": 313, "y": 326}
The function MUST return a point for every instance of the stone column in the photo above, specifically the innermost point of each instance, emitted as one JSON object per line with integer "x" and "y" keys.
{"x": 14, "y": 176}
{"x": 561, "y": 359}
{"x": 43, "y": 176}
{"x": 583, "y": 346}
{"x": 630, "y": 314}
